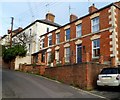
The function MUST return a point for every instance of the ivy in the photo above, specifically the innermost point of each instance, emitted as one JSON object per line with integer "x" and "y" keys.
{"x": 10, "y": 53}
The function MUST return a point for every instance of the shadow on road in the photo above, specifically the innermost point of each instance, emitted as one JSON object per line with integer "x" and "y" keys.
{"x": 115, "y": 99}
{"x": 113, "y": 93}
{"x": 109, "y": 89}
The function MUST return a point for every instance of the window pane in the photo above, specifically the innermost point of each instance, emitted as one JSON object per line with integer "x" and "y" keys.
{"x": 96, "y": 52}
{"x": 67, "y": 34}
{"x": 57, "y": 55}
{"x": 43, "y": 57}
{"x": 67, "y": 57}
{"x": 78, "y": 30}
{"x": 47, "y": 29}
{"x": 49, "y": 57}
{"x": 95, "y": 24}
{"x": 50, "y": 40}
{"x": 58, "y": 38}
{"x": 96, "y": 48}
{"x": 42, "y": 43}
{"x": 98, "y": 43}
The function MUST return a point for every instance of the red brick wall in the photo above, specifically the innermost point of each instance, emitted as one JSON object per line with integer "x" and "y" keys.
{"x": 105, "y": 45}
{"x": 72, "y": 30}
{"x": 86, "y": 41}
{"x": 46, "y": 41}
{"x": 53, "y": 38}
{"x": 61, "y": 52}
{"x": 104, "y": 20}
{"x": 73, "y": 51}
{"x": 88, "y": 47}
{"x": 82, "y": 75}
{"x": 62, "y": 35}
{"x": 38, "y": 69}
{"x": 86, "y": 25}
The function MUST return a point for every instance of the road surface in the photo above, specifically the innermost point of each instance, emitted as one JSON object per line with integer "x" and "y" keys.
{"x": 22, "y": 85}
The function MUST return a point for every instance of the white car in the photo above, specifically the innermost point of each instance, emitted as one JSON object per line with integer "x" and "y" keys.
{"x": 109, "y": 77}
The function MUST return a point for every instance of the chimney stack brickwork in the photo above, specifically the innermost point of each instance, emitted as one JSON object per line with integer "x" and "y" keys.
{"x": 50, "y": 17}
{"x": 73, "y": 17}
{"x": 92, "y": 9}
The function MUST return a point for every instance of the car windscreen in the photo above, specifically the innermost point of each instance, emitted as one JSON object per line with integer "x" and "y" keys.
{"x": 109, "y": 71}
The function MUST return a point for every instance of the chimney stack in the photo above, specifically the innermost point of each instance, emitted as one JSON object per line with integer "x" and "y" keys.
{"x": 50, "y": 17}
{"x": 92, "y": 8}
{"x": 117, "y": 3}
{"x": 9, "y": 31}
{"x": 20, "y": 29}
{"x": 73, "y": 17}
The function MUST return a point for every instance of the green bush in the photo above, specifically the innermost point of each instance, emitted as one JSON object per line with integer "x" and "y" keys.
{"x": 9, "y": 54}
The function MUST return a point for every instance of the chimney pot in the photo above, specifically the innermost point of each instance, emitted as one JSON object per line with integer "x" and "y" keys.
{"x": 9, "y": 31}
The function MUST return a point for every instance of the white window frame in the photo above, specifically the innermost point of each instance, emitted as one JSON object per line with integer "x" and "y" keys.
{"x": 57, "y": 54}
{"x": 66, "y": 35}
{"x": 93, "y": 48}
{"x": 79, "y": 30}
{"x": 95, "y": 24}
{"x": 66, "y": 53}
{"x": 57, "y": 38}
{"x": 48, "y": 57}
{"x": 49, "y": 39}
{"x": 42, "y": 43}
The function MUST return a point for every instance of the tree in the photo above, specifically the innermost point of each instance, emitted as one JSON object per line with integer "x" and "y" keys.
{"x": 23, "y": 38}
{"x": 9, "y": 54}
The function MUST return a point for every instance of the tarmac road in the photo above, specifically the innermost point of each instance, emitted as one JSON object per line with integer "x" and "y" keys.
{"x": 22, "y": 85}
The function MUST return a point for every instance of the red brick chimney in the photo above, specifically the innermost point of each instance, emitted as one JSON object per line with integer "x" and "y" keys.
{"x": 92, "y": 8}
{"x": 15, "y": 31}
{"x": 73, "y": 17}
{"x": 9, "y": 31}
{"x": 50, "y": 17}
{"x": 117, "y": 3}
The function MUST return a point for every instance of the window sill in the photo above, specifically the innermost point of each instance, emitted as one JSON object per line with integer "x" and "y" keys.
{"x": 57, "y": 43}
{"x": 95, "y": 58}
{"x": 77, "y": 37}
{"x": 96, "y": 32}
{"x": 67, "y": 40}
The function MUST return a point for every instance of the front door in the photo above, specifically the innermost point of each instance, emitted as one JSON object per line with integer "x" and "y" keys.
{"x": 79, "y": 53}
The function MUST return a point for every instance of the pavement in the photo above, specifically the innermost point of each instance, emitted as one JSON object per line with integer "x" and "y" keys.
{"x": 22, "y": 85}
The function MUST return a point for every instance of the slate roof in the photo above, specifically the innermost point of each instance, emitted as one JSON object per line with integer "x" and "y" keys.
{"x": 40, "y": 21}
